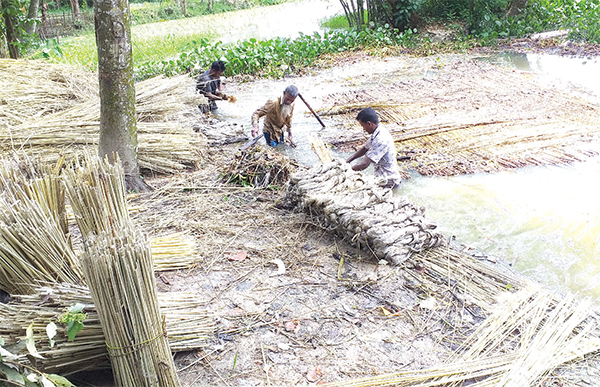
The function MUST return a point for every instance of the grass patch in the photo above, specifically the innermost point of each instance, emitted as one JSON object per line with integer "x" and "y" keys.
{"x": 82, "y": 50}
{"x": 338, "y": 22}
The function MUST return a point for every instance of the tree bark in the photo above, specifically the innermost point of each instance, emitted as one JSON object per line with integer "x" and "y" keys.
{"x": 12, "y": 39}
{"x": 44, "y": 9}
{"x": 32, "y": 14}
{"x": 3, "y": 52}
{"x": 75, "y": 8}
{"x": 118, "y": 130}
{"x": 516, "y": 7}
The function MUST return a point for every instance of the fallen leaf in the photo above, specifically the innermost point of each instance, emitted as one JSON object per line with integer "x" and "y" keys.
{"x": 314, "y": 374}
{"x": 385, "y": 311}
{"x": 239, "y": 256}
{"x": 292, "y": 326}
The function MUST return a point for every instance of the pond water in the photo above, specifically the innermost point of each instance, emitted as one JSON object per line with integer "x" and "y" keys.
{"x": 284, "y": 20}
{"x": 545, "y": 221}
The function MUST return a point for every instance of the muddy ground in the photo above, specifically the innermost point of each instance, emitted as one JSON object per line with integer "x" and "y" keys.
{"x": 292, "y": 303}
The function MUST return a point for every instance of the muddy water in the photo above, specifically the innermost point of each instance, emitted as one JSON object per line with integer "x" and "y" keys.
{"x": 545, "y": 220}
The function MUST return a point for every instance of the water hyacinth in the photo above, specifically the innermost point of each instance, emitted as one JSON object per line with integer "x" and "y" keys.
{"x": 273, "y": 57}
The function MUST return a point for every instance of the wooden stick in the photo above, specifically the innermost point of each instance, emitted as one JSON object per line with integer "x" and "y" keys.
{"x": 311, "y": 109}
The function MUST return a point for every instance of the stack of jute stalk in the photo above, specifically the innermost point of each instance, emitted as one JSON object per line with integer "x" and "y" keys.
{"x": 528, "y": 336}
{"x": 173, "y": 252}
{"x": 61, "y": 114}
{"x": 477, "y": 280}
{"x": 359, "y": 210}
{"x": 34, "y": 249}
{"x": 117, "y": 264}
{"x": 187, "y": 325}
{"x": 34, "y": 244}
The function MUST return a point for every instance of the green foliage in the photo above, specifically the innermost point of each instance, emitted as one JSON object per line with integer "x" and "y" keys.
{"x": 16, "y": 10}
{"x": 445, "y": 9}
{"x": 74, "y": 318}
{"x": 403, "y": 12}
{"x": 581, "y": 17}
{"x": 273, "y": 57}
{"x": 488, "y": 21}
{"x": 153, "y": 11}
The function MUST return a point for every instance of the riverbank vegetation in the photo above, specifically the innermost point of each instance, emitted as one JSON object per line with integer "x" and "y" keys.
{"x": 187, "y": 48}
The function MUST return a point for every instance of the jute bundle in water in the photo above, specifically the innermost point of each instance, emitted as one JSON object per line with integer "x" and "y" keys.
{"x": 359, "y": 210}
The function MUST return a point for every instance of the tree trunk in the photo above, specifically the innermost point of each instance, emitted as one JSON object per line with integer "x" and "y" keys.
{"x": 118, "y": 131}
{"x": 44, "y": 9}
{"x": 516, "y": 7}
{"x": 75, "y": 8}
{"x": 32, "y": 14}
{"x": 12, "y": 39}
{"x": 3, "y": 52}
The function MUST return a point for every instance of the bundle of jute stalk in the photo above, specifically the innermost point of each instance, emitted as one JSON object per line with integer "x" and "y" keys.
{"x": 118, "y": 269}
{"x": 173, "y": 252}
{"x": 57, "y": 87}
{"x": 188, "y": 326}
{"x": 358, "y": 209}
{"x": 61, "y": 115}
{"x": 34, "y": 241}
{"x": 119, "y": 273}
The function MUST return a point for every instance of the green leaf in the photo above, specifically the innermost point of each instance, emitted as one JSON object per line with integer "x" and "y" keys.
{"x": 59, "y": 380}
{"x": 72, "y": 329}
{"x": 12, "y": 374}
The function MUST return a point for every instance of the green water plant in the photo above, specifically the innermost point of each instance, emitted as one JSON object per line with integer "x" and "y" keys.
{"x": 273, "y": 57}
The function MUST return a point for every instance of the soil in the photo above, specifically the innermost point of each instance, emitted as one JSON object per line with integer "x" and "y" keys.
{"x": 292, "y": 303}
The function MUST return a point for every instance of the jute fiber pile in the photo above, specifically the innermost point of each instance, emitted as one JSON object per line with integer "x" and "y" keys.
{"x": 59, "y": 114}
{"x": 359, "y": 210}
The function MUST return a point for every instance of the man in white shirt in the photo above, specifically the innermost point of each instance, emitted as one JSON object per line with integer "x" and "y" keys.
{"x": 379, "y": 150}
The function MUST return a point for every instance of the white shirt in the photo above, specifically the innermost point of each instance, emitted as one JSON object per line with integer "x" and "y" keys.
{"x": 382, "y": 152}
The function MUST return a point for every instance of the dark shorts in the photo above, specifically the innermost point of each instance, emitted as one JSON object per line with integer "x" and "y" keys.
{"x": 272, "y": 142}
{"x": 391, "y": 184}
{"x": 206, "y": 108}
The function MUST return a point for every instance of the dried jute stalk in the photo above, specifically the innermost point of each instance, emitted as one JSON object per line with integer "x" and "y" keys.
{"x": 118, "y": 268}
{"x": 119, "y": 273}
